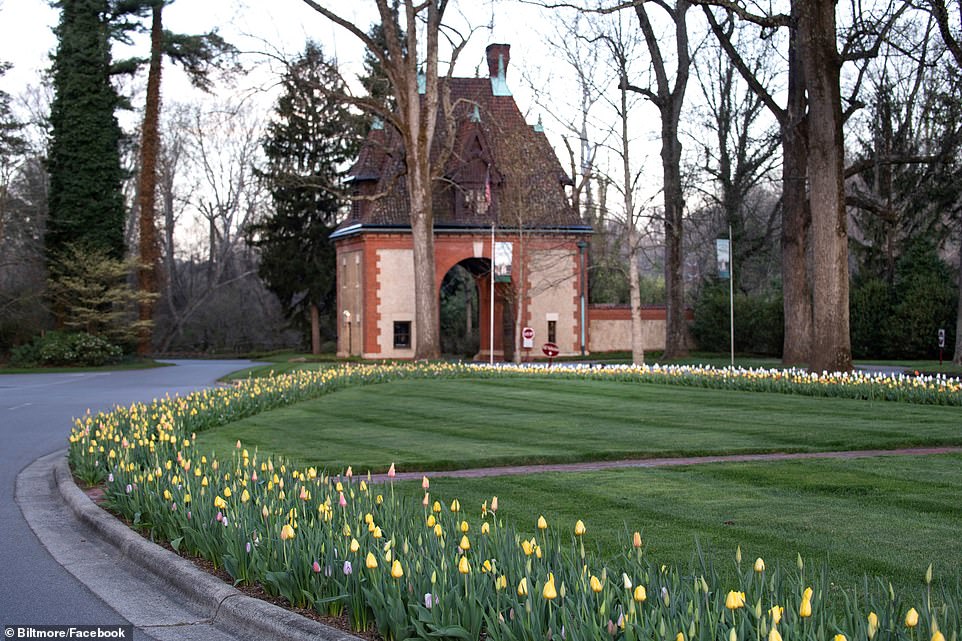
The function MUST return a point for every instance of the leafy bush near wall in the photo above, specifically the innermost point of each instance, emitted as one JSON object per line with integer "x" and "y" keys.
{"x": 65, "y": 350}
{"x": 759, "y": 325}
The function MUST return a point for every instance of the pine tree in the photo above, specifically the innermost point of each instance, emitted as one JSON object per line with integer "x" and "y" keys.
{"x": 308, "y": 147}
{"x": 86, "y": 202}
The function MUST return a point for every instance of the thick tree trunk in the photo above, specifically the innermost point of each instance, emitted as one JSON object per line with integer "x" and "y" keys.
{"x": 427, "y": 331}
{"x": 147, "y": 188}
{"x": 675, "y": 344}
{"x": 796, "y": 219}
{"x": 831, "y": 346}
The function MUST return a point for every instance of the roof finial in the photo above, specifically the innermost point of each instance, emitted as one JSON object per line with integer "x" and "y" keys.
{"x": 475, "y": 114}
{"x": 538, "y": 127}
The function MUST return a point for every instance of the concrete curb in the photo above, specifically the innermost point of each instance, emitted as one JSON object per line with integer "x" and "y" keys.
{"x": 226, "y": 606}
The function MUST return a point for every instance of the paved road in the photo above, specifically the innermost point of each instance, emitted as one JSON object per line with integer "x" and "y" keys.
{"x": 35, "y": 420}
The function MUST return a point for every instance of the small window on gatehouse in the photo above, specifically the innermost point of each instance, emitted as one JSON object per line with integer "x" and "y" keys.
{"x": 402, "y": 334}
{"x": 552, "y": 331}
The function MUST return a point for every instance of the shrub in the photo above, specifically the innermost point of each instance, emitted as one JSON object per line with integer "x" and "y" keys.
{"x": 759, "y": 325}
{"x": 66, "y": 350}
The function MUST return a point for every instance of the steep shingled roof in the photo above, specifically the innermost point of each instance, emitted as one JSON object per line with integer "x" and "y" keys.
{"x": 494, "y": 152}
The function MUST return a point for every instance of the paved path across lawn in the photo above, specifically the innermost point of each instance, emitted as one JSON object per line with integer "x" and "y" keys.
{"x": 593, "y": 466}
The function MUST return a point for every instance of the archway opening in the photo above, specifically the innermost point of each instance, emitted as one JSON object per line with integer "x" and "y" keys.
{"x": 460, "y": 308}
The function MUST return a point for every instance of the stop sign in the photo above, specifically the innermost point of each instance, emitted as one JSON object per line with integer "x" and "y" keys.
{"x": 528, "y": 333}
{"x": 550, "y": 350}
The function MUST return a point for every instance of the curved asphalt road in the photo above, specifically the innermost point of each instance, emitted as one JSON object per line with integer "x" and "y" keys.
{"x": 35, "y": 419}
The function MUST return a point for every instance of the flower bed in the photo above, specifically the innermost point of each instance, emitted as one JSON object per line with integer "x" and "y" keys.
{"x": 446, "y": 571}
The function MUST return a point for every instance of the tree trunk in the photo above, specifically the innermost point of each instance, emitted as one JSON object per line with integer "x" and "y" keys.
{"x": 831, "y": 346}
{"x": 427, "y": 338}
{"x": 147, "y": 188}
{"x": 796, "y": 218}
{"x": 675, "y": 346}
{"x": 957, "y": 358}
{"x": 634, "y": 293}
{"x": 315, "y": 330}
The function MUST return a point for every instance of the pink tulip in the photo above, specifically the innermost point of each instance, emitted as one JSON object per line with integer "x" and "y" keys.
{"x": 341, "y": 500}
{"x": 391, "y": 473}
{"x": 316, "y": 567}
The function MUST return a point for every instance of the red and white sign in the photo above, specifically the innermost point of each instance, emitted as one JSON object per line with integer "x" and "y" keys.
{"x": 550, "y": 350}
{"x": 527, "y": 334}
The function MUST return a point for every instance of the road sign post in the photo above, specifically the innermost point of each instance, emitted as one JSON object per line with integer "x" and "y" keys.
{"x": 527, "y": 337}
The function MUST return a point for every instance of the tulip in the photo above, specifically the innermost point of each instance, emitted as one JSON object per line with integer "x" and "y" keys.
{"x": 338, "y": 487}
{"x": 938, "y": 636}
{"x": 526, "y": 546}
{"x": 640, "y": 595}
{"x": 287, "y": 532}
{"x": 377, "y": 532}
{"x": 425, "y": 483}
{"x": 438, "y": 532}
{"x": 370, "y": 561}
{"x": 436, "y": 507}
{"x": 485, "y": 528}
{"x": 341, "y": 500}
{"x": 349, "y": 473}
{"x": 463, "y": 566}
{"x": 735, "y": 600}
{"x": 316, "y": 567}
{"x": 680, "y": 636}
{"x": 428, "y": 599}
{"x": 595, "y": 584}
{"x": 636, "y": 540}
{"x": 579, "y": 528}
{"x": 431, "y": 522}
{"x": 733, "y": 635}
{"x": 348, "y": 568}
{"x": 455, "y": 505}
{"x": 346, "y": 530}
{"x": 542, "y": 523}
{"x": 807, "y": 595}
{"x": 465, "y": 527}
{"x": 426, "y": 500}
{"x": 911, "y": 618}
{"x": 390, "y": 472}
{"x": 465, "y": 544}
{"x": 396, "y": 570}
{"x": 523, "y": 587}
{"x": 245, "y": 496}
{"x": 355, "y": 546}
{"x": 777, "y": 612}
{"x": 805, "y": 609}
{"x": 774, "y": 635}
{"x": 494, "y": 504}
{"x": 759, "y": 565}
{"x": 872, "y": 625}
{"x": 502, "y": 582}
{"x": 839, "y": 637}
{"x": 625, "y": 581}
{"x": 549, "y": 592}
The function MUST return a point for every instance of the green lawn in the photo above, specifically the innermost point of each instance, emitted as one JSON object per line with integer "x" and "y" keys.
{"x": 887, "y": 516}
{"x": 137, "y": 363}
{"x": 446, "y": 424}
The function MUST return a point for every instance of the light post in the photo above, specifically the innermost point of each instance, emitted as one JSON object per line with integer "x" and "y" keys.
{"x": 582, "y": 245}
{"x": 350, "y": 343}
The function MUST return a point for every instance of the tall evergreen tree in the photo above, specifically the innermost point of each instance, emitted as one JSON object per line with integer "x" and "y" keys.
{"x": 86, "y": 202}
{"x": 308, "y": 147}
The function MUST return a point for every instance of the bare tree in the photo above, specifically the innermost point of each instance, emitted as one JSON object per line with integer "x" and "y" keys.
{"x": 423, "y": 104}
{"x": 668, "y": 95}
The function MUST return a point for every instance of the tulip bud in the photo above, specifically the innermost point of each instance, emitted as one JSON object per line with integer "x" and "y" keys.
{"x": 911, "y": 618}
{"x": 455, "y": 505}
{"x": 579, "y": 528}
{"x": 390, "y": 472}
{"x": 805, "y": 609}
{"x": 370, "y": 561}
{"x": 928, "y": 575}
{"x": 735, "y": 600}
{"x": 396, "y": 570}
{"x": 636, "y": 540}
{"x": 485, "y": 528}
{"x": 839, "y": 637}
{"x": 596, "y": 585}
{"x": 625, "y": 581}
{"x": 523, "y": 587}
{"x": 640, "y": 595}
{"x": 774, "y": 635}
{"x": 316, "y": 568}
{"x": 549, "y": 591}
{"x": 738, "y": 554}
{"x": 759, "y": 565}
{"x": 431, "y": 522}
{"x": 425, "y": 483}
{"x": 494, "y": 504}
{"x": 733, "y": 635}
{"x": 355, "y": 546}
{"x": 542, "y": 523}
{"x": 465, "y": 544}
{"x": 777, "y": 612}
{"x": 872, "y": 625}
{"x": 938, "y": 636}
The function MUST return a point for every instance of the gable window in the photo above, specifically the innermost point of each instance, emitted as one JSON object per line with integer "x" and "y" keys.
{"x": 552, "y": 331}
{"x": 402, "y": 334}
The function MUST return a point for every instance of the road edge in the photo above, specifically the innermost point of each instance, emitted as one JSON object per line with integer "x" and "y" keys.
{"x": 228, "y": 607}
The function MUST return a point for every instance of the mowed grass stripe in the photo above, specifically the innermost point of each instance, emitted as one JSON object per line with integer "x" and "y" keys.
{"x": 449, "y": 424}
{"x": 888, "y": 516}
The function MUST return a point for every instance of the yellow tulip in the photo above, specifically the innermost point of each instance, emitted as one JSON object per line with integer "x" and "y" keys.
{"x": 355, "y": 546}
{"x": 872, "y": 625}
{"x": 502, "y": 582}
{"x": 465, "y": 544}
{"x": 807, "y": 595}
{"x": 523, "y": 587}
{"x": 377, "y": 532}
{"x": 346, "y": 530}
{"x": 370, "y": 561}
{"x": 680, "y": 636}
{"x": 463, "y": 566}
{"x": 759, "y": 565}
{"x": 485, "y": 528}
{"x": 396, "y": 570}
{"x": 839, "y": 637}
{"x": 494, "y": 504}
{"x": 579, "y": 528}
{"x": 287, "y": 532}
{"x": 219, "y": 502}
{"x": 774, "y": 635}
{"x": 777, "y": 612}
{"x": 526, "y": 546}
{"x": 911, "y": 618}
{"x": 735, "y": 600}
{"x": 938, "y": 636}
{"x": 431, "y": 522}
{"x": 438, "y": 532}
{"x": 805, "y": 609}
{"x": 549, "y": 592}
{"x": 542, "y": 523}
{"x": 455, "y": 505}
{"x": 245, "y": 496}
{"x": 596, "y": 585}
{"x": 465, "y": 527}
{"x": 640, "y": 595}
{"x": 227, "y": 492}
{"x": 636, "y": 540}
{"x": 436, "y": 507}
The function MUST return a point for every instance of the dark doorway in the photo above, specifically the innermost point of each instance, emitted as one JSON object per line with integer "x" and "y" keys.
{"x": 459, "y": 311}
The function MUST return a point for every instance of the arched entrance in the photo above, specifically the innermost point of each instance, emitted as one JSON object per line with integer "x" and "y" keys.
{"x": 465, "y": 312}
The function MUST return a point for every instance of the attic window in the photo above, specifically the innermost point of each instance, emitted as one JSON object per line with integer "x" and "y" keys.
{"x": 475, "y": 201}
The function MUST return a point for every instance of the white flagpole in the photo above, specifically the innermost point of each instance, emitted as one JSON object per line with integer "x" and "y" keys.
{"x": 491, "y": 335}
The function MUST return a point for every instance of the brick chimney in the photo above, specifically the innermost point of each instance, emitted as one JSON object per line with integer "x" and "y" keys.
{"x": 498, "y": 56}
{"x": 494, "y": 52}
